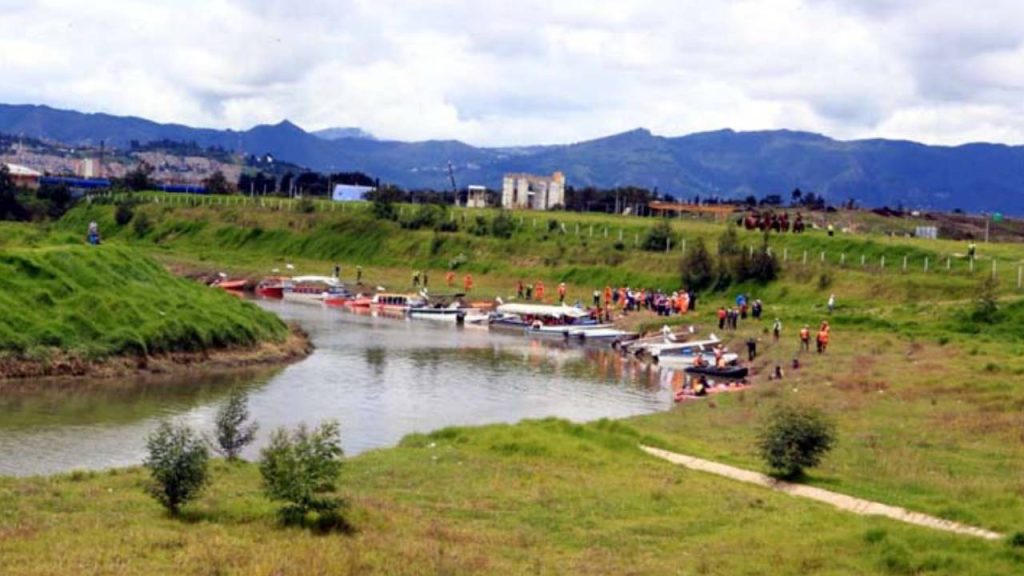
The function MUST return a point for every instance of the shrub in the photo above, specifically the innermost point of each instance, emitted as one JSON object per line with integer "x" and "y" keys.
{"x": 124, "y": 213}
{"x": 233, "y": 433}
{"x": 986, "y": 307}
{"x": 794, "y": 438}
{"x": 658, "y": 237}
{"x": 697, "y": 267}
{"x": 177, "y": 461}
{"x": 301, "y": 468}
{"x": 306, "y": 206}
{"x": 502, "y": 226}
{"x": 1016, "y": 540}
{"x": 384, "y": 210}
{"x": 142, "y": 224}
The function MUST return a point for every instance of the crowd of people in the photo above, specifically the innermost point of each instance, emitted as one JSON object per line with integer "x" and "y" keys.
{"x": 776, "y": 222}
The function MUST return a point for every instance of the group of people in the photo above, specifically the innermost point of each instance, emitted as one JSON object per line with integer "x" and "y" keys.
{"x": 765, "y": 221}
{"x": 729, "y": 317}
{"x": 821, "y": 339}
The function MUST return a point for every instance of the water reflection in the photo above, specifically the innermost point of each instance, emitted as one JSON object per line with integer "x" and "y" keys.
{"x": 382, "y": 378}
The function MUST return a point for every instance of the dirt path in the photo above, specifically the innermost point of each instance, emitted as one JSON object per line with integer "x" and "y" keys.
{"x": 841, "y": 501}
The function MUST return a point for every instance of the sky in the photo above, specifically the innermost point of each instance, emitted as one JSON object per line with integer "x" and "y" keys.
{"x": 518, "y": 72}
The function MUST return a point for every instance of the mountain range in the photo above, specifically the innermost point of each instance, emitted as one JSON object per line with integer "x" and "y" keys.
{"x": 973, "y": 177}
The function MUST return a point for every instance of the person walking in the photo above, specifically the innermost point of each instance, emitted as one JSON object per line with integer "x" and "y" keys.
{"x": 561, "y": 292}
{"x": 337, "y": 271}
{"x": 597, "y": 299}
{"x": 831, "y": 303}
{"x": 426, "y": 279}
{"x": 751, "y": 349}
{"x": 449, "y": 278}
{"x": 721, "y": 318}
{"x": 755, "y": 310}
{"x": 359, "y": 274}
{"x": 823, "y": 339}
{"x": 805, "y": 338}
{"x": 467, "y": 282}
{"x": 415, "y": 278}
{"x": 777, "y": 329}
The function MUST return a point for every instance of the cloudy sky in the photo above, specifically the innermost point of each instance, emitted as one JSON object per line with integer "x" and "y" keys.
{"x": 524, "y": 71}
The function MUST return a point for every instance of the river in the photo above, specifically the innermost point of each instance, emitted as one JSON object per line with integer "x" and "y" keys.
{"x": 380, "y": 378}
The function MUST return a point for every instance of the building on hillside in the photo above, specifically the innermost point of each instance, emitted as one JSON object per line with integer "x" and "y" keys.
{"x": 90, "y": 168}
{"x": 350, "y": 193}
{"x": 533, "y": 192}
{"x": 23, "y": 176}
{"x": 476, "y": 197}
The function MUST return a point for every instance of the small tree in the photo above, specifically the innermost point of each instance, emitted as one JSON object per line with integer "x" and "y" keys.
{"x": 233, "y": 433}
{"x": 697, "y": 267}
{"x": 301, "y": 468}
{"x": 139, "y": 177}
{"x": 124, "y": 213}
{"x": 658, "y": 237}
{"x": 217, "y": 183}
{"x": 794, "y": 438}
{"x": 502, "y": 226}
{"x": 177, "y": 461}
{"x": 986, "y": 307}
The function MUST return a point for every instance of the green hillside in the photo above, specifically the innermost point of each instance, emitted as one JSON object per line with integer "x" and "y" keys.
{"x": 92, "y": 302}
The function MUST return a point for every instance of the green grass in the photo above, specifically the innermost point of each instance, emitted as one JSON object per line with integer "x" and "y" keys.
{"x": 96, "y": 301}
{"x": 541, "y": 497}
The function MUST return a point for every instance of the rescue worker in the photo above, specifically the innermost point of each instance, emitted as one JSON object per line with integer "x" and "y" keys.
{"x": 823, "y": 339}
{"x": 538, "y": 290}
{"x": 751, "y": 349}
{"x": 561, "y": 292}
{"x": 607, "y": 295}
{"x": 777, "y": 329}
{"x": 359, "y": 275}
{"x": 721, "y": 318}
{"x": 467, "y": 282}
{"x": 805, "y": 338}
{"x": 449, "y": 278}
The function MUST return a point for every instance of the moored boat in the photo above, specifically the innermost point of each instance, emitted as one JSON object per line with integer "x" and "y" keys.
{"x": 543, "y": 320}
{"x": 314, "y": 289}
{"x": 272, "y": 287}
{"x": 734, "y": 372}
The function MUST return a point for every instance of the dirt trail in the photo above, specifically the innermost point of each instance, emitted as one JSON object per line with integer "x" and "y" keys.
{"x": 841, "y": 501}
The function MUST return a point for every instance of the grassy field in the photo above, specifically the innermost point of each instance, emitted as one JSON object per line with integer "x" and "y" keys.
{"x": 928, "y": 402}
{"x": 543, "y": 497}
{"x": 96, "y": 301}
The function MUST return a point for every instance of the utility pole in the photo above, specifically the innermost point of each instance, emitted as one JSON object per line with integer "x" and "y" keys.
{"x": 455, "y": 190}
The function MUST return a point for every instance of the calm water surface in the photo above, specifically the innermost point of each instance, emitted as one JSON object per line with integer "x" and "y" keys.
{"x": 381, "y": 378}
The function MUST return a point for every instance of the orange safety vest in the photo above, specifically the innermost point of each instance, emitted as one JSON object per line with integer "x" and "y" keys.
{"x": 450, "y": 278}
{"x": 607, "y": 295}
{"x": 721, "y": 313}
{"x": 805, "y": 334}
{"x": 823, "y": 336}
{"x": 561, "y": 289}
{"x": 468, "y": 282}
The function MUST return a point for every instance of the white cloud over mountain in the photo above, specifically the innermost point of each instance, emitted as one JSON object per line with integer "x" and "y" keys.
{"x": 523, "y": 72}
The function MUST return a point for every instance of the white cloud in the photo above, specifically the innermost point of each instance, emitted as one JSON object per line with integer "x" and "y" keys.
{"x": 530, "y": 71}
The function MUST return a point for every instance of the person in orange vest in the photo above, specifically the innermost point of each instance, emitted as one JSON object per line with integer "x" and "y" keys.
{"x": 538, "y": 290}
{"x": 805, "y": 338}
{"x": 823, "y": 339}
{"x": 684, "y": 302}
{"x": 622, "y": 297}
{"x": 721, "y": 318}
{"x": 467, "y": 282}
{"x": 561, "y": 292}
{"x": 607, "y": 295}
{"x": 449, "y": 277}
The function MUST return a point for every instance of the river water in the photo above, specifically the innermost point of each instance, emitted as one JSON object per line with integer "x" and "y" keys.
{"x": 380, "y": 378}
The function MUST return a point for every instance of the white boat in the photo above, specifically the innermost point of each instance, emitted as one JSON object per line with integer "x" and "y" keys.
{"x": 686, "y": 360}
{"x": 453, "y": 313}
{"x": 656, "y": 349}
{"x": 313, "y": 288}
{"x": 543, "y": 319}
{"x": 596, "y": 333}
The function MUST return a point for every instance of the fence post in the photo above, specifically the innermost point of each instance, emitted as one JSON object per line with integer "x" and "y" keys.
{"x": 842, "y": 259}
{"x": 668, "y": 244}
{"x": 1020, "y": 276}
{"x": 636, "y": 240}
{"x": 785, "y": 254}
{"x": 862, "y": 260}
{"x": 949, "y": 263}
{"x": 904, "y": 263}
{"x": 591, "y": 230}
{"x": 805, "y": 256}
{"x": 605, "y": 231}
{"x": 620, "y": 234}
{"x": 993, "y": 268}
{"x": 925, "y": 263}
{"x": 883, "y": 262}
{"x": 822, "y": 256}
{"x": 577, "y": 228}
{"x": 682, "y": 243}
{"x": 971, "y": 267}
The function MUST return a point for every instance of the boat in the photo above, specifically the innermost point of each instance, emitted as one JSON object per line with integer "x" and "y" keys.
{"x": 447, "y": 308}
{"x": 656, "y": 348}
{"x": 272, "y": 287}
{"x": 543, "y": 319}
{"x": 314, "y": 289}
{"x": 605, "y": 334}
{"x": 733, "y": 371}
{"x": 233, "y": 285}
{"x": 388, "y": 301}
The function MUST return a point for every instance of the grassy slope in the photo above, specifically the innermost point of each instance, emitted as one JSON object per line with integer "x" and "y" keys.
{"x": 930, "y": 415}
{"x": 98, "y": 301}
{"x": 541, "y": 497}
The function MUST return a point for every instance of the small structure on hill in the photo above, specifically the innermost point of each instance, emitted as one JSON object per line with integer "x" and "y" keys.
{"x": 350, "y": 193}
{"x": 23, "y": 176}
{"x": 476, "y": 197}
{"x": 533, "y": 192}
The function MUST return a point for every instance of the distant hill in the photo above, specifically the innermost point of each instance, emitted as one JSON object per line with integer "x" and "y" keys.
{"x": 339, "y": 133}
{"x": 974, "y": 177}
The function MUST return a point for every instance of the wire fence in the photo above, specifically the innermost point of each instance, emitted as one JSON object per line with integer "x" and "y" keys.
{"x": 1009, "y": 271}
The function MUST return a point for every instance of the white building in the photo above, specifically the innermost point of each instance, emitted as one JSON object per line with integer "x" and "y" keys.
{"x": 476, "y": 197}
{"x": 349, "y": 193}
{"x": 533, "y": 192}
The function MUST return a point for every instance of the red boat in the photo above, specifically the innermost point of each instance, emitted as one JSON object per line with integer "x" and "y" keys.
{"x": 271, "y": 288}
{"x": 233, "y": 285}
